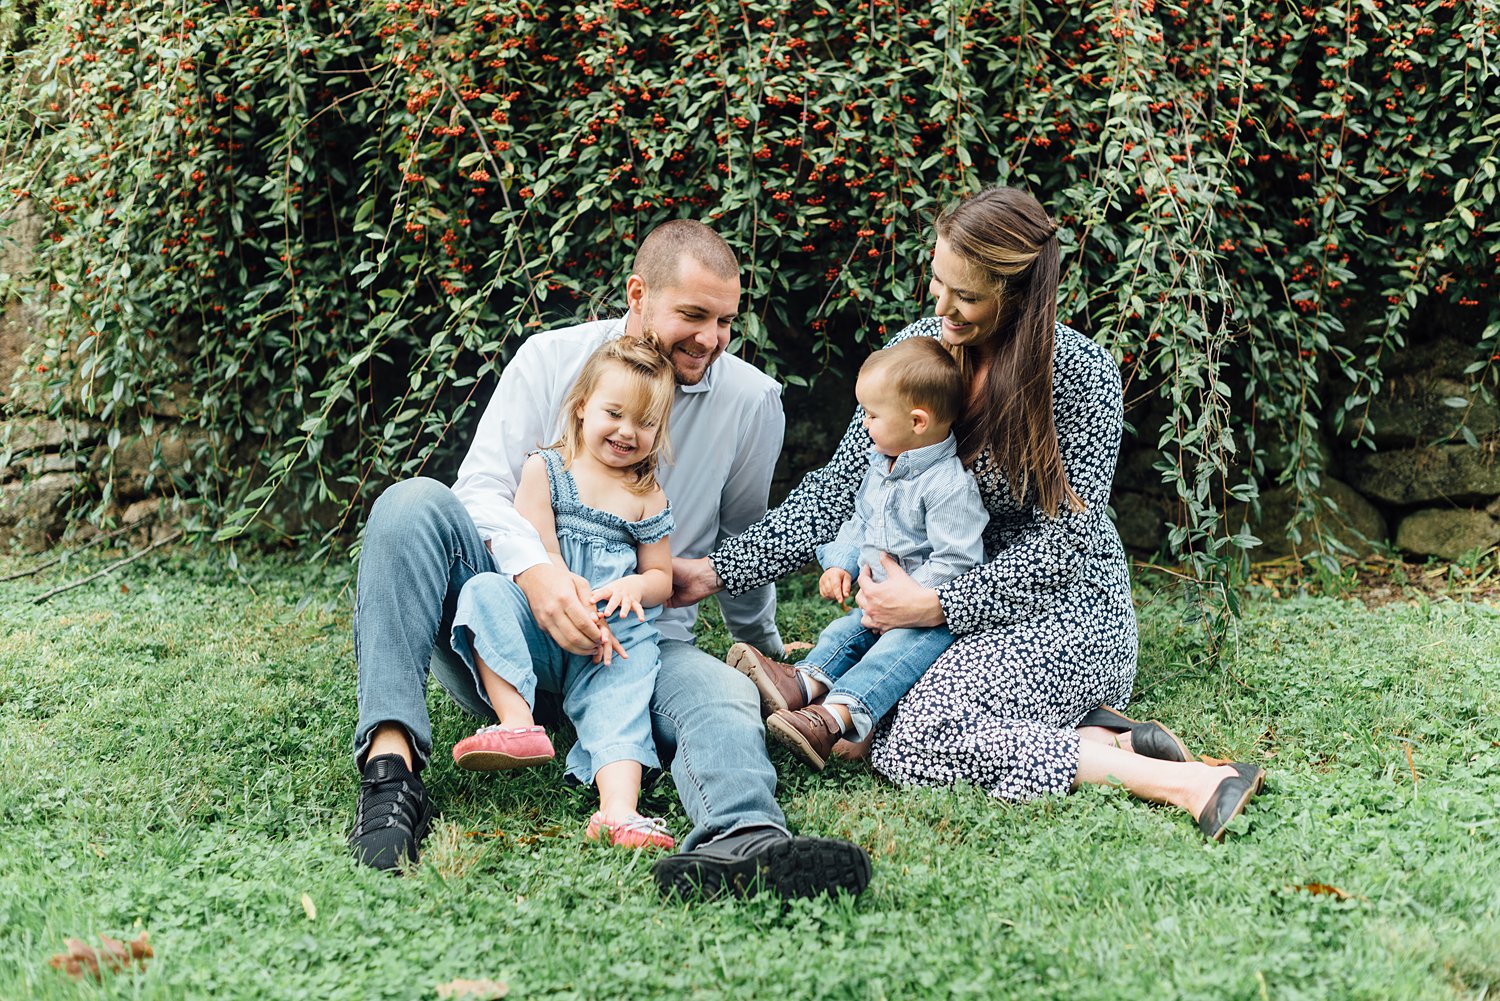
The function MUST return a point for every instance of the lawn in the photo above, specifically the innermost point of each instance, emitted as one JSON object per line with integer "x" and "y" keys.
{"x": 176, "y": 748}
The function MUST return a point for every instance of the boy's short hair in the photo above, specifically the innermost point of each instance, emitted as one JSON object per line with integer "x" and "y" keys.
{"x": 923, "y": 374}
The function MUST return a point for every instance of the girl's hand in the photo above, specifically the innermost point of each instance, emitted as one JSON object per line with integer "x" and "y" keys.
{"x": 608, "y": 646}
{"x": 834, "y": 585}
{"x": 624, "y": 594}
{"x": 898, "y": 602}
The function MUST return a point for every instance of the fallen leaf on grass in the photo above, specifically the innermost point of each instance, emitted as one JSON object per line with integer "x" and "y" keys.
{"x": 1324, "y": 890}
{"x": 797, "y": 645}
{"x": 472, "y": 990}
{"x": 309, "y": 908}
{"x": 115, "y": 956}
{"x": 1214, "y": 762}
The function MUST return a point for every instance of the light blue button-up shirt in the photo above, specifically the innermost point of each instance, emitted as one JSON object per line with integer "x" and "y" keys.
{"x": 924, "y": 509}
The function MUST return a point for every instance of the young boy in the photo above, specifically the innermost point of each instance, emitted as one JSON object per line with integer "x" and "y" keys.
{"x": 917, "y": 503}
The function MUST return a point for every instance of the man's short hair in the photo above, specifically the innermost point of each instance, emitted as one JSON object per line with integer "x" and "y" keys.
{"x": 923, "y": 375}
{"x": 661, "y": 252}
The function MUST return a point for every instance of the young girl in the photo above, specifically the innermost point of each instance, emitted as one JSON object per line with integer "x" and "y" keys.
{"x": 594, "y": 500}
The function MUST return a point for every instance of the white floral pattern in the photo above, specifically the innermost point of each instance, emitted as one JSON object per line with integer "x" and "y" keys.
{"x": 1045, "y": 628}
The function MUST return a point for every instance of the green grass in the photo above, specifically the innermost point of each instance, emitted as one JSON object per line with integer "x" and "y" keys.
{"x": 176, "y": 749}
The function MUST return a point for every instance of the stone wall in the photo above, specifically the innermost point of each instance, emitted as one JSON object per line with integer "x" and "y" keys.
{"x": 51, "y": 465}
{"x": 1423, "y": 487}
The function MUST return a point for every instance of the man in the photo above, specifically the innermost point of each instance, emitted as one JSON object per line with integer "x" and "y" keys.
{"x": 424, "y": 541}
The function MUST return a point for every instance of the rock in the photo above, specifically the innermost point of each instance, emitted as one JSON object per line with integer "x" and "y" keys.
{"x": 1420, "y": 408}
{"x": 133, "y": 459}
{"x": 1278, "y": 452}
{"x": 36, "y": 510}
{"x": 1447, "y": 533}
{"x": 19, "y": 231}
{"x": 1350, "y": 521}
{"x": 1456, "y": 473}
{"x": 1441, "y": 356}
{"x": 1142, "y": 520}
{"x": 179, "y": 402}
{"x": 1137, "y": 471}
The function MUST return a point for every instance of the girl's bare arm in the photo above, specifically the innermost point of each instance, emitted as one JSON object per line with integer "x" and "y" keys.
{"x": 534, "y": 503}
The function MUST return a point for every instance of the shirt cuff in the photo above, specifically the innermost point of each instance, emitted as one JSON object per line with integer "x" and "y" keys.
{"x": 834, "y": 555}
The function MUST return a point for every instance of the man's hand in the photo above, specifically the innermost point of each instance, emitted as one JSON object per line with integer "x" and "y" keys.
{"x": 835, "y": 584}
{"x": 624, "y": 594}
{"x": 692, "y": 581}
{"x": 898, "y": 602}
{"x": 561, "y": 603}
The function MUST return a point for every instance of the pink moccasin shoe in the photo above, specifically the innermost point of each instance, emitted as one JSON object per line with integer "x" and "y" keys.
{"x": 496, "y": 748}
{"x": 635, "y": 832}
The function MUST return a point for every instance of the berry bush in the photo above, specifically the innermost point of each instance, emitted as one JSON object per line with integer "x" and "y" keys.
{"x": 314, "y": 229}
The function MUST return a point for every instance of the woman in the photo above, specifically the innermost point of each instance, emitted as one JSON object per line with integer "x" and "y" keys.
{"x": 1045, "y": 631}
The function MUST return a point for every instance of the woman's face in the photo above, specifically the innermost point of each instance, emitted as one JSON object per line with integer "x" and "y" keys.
{"x": 969, "y": 314}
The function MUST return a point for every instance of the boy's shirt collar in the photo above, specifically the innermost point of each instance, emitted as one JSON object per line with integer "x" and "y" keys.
{"x": 913, "y": 462}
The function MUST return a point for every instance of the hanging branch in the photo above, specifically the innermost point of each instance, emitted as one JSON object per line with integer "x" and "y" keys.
{"x": 109, "y": 569}
{"x": 58, "y": 559}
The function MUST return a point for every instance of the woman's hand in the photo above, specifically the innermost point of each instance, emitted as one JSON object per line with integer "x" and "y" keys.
{"x": 692, "y": 581}
{"x": 898, "y": 602}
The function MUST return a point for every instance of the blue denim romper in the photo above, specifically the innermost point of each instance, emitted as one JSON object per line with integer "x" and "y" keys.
{"x": 609, "y": 705}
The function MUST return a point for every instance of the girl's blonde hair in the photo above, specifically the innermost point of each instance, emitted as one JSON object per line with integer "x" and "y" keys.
{"x": 652, "y": 385}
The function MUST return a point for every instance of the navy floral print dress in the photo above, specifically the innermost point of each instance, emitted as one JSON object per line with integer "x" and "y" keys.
{"x": 1045, "y": 628}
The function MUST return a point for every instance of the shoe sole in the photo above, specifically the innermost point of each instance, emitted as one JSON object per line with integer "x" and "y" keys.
{"x": 788, "y": 737}
{"x": 498, "y": 761}
{"x": 800, "y": 867}
{"x": 743, "y": 660}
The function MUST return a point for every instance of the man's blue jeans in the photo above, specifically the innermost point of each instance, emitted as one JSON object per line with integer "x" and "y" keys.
{"x": 868, "y": 672}
{"x": 420, "y": 548}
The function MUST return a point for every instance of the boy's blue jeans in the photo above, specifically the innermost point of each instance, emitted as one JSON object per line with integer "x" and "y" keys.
{"x": 868, "y": 672}
{"x": 420, "y": 548}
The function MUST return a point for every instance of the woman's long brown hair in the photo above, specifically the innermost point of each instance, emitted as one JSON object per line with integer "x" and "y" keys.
{"x": 1006, "y": 237}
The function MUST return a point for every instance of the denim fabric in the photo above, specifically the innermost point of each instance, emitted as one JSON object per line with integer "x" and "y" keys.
{"x": 706, "y": 717}
{"x": 420, "y": 548}
{"x": 606, "y": 703}
{"x": 869, "y": 671}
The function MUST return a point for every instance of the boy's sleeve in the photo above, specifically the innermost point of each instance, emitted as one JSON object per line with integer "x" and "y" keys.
{"x": 843, "y": 551}
{"x": 956, "y": 519}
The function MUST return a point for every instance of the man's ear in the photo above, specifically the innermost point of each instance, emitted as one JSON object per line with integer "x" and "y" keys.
{"x": 921, "y": 420}
{"x": 635, "y": 293}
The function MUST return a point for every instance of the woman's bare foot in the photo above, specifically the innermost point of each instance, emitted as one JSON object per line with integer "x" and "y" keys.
{"x": 1104, "y": 735}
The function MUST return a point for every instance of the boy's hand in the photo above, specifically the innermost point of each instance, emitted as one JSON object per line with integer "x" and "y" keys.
{"x": 624, "y": 594}
{"x": 835, "y": 584}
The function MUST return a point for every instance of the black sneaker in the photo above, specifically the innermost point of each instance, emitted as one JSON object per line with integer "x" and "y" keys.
{"x": 393, "y": 814}
{"x": 763, "y": 858}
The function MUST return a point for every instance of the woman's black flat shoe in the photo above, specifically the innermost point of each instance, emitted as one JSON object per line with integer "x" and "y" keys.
{"x": 1229, "y": 799}
{"x": 1149, "y": 739}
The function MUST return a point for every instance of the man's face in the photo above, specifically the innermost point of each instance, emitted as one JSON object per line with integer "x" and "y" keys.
{"x": 690, "y": 318}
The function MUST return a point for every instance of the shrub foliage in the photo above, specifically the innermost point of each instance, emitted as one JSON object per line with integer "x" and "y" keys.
{"x": 315, "y": 228}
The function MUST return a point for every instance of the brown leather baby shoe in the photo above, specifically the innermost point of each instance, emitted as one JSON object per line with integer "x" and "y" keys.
{"x": 809, "y": 733}
{"x": 777, "y": 682}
